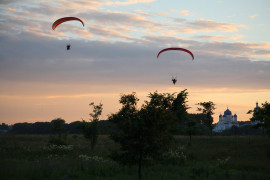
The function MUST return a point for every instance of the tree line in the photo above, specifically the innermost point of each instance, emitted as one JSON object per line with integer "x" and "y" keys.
{"x": 144, "y": 133}
{"x": 192, "y": 124}
{"x": 103, "y": 126}
{"x": 47, "y": 127}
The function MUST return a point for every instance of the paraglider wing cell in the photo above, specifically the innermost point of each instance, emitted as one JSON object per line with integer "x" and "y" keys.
{"x": 180, "y": 49}
{"x": 61, "y": 20}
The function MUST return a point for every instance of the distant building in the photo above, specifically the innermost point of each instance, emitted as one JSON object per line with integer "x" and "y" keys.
{"x": 226, "y": 121}
{"x": 255, "y": 122}
{"x": 257, "y": 107}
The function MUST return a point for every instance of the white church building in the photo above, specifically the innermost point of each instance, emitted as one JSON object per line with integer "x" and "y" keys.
{"x": 226, "y": 121}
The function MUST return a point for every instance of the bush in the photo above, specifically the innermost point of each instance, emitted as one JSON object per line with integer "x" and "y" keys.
{"x": 57, "y": 141}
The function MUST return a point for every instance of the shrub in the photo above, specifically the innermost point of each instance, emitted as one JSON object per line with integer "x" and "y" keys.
{"x": 57, "y": 141}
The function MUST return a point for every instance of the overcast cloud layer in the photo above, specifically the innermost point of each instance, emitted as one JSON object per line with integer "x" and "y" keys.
{"x": 118, "y": 47}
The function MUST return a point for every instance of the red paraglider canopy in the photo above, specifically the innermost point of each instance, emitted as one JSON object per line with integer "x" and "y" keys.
{"x": 176, "y": 48}
{"x": 64, "y": 19}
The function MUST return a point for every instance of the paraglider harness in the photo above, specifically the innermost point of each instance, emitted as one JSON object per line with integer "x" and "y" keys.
{"x": 174, "y": 80}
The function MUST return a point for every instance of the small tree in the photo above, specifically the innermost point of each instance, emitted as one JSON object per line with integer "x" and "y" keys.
{"x": 262, "y": 115}
{"x": 90, "y": 129}
{"x": 144, "y": 133}
{"x": 58, "y": 126}
{"x": 4, "y": 126}
{"x": 191, "y": 128}
{"x": 207, "y": 109}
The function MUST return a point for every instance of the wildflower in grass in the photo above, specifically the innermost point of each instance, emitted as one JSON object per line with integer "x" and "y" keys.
{"x": 84, "y": 157}
{"x": 177, "y": 156}
{"x": 98, "y": 159}
{"x": 222, "y": 162}
{"x": 58, "y": 149}
{"x": 52, "y": 156}
{"x": 26, "y": 149}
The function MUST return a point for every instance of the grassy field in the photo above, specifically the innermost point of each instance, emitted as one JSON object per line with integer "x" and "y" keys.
{"x": 31, "y": 157}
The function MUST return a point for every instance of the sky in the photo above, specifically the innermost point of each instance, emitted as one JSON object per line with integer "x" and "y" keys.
{"x": 115, "y": 53}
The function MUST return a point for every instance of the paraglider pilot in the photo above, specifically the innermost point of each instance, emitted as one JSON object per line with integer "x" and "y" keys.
{"x": 174, "y": 80}
{"x": 68, "y": 46}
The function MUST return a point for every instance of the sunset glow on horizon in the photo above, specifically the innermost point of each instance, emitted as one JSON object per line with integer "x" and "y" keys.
{"x": 115, "y": 53}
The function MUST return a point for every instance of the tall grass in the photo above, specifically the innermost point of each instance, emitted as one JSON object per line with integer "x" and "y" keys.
{"x": 31, "y": 157}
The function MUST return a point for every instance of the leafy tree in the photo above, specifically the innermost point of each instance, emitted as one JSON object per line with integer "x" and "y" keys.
{"x": 207, "y": 109}
{"x": 58, "y": 126}
{"x": 41, "y": 128}
{"x": 90, "y": 129}
{"x": 4, "y": 126}
{"x": 74, "y": 127}
{"x": 145, "y": 133}
{"x": 22, "y": 128}
{"x": 262, "y": 115}
{"x": 32, "y": 128}
{"x": 97, "y": 111}
{"x": 180, "y": 107}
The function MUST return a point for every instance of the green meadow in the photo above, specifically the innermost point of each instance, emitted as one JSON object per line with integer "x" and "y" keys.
{"x": 217, "y": 157}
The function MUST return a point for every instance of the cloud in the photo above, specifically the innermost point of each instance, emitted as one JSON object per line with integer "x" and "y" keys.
{"x": 183, "y": 12}
{"x": 265, "y": 45}
{"x": 128, "y": 2}
{"x": 241, "y": 49}
{"x": 38, "y": 18}
{"x": 162, "y": 13}
{"x": 54, "y": 9}
{"x": 116, "y": 53}
{"x": 39, "y": 24}
{"x": 253, "y": 16}
{"x": 113, "y": 32}
{"x": 143, "y": 13}
{"x": 231, "y": 16}
{"x": 210, "y": 26}
{"x": 220, "y": 37}
{"x": 120, "y": 48}
{"x": 112, "y": 18}
{"x": 10, "y": 1}
{"x": 32, "y": 58}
